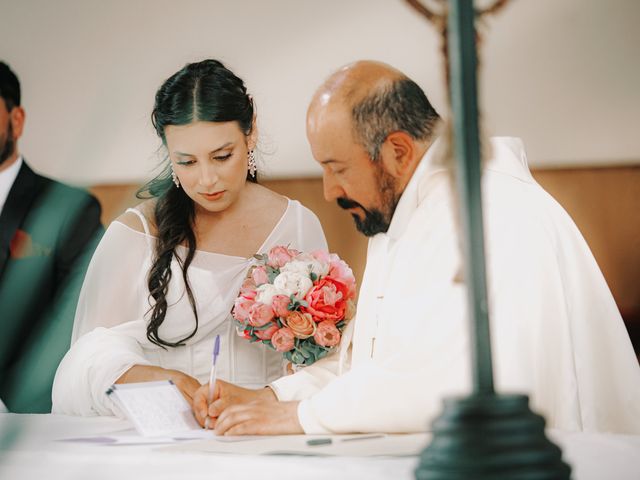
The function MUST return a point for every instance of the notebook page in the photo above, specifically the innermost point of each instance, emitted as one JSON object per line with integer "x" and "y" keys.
{"x": 154, "y": 408}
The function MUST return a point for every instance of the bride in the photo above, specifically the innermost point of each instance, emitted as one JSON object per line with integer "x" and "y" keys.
{"x": 163, "y": 280}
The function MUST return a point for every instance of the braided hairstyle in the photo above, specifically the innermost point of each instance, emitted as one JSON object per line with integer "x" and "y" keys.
{"x": 203, "y": 91}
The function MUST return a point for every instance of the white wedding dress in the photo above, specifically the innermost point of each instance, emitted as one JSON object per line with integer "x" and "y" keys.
{"x": 109, "y": 333}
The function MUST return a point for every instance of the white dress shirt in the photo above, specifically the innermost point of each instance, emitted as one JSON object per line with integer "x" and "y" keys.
{"x": 556, "y": 332}
{"x": 7, "y": 177}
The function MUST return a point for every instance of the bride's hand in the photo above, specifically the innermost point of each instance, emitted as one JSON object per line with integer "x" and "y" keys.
{"x": 225, "y": 395}
{"x": 150, "y": 373}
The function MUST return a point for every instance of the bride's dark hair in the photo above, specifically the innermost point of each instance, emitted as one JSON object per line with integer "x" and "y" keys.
{"x": 204, "y": 91}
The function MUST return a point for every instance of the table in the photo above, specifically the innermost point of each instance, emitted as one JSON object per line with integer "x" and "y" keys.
{"x": 34, "y": 453}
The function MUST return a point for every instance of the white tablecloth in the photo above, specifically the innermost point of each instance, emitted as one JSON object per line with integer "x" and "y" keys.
{"x": 30, "y": 451}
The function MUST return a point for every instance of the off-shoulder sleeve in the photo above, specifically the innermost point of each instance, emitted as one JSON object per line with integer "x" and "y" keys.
{"x": 115, "y": 280}
{"x": 310, "y": 234}
{"x": 113, "y": 295}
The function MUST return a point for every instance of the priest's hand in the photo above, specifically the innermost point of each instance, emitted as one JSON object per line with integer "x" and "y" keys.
{"x": 259, "y": 418}
{"x": 225, "y": 395}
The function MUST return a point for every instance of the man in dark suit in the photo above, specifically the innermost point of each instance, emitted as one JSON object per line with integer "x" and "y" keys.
{"x": 48, "y": 232}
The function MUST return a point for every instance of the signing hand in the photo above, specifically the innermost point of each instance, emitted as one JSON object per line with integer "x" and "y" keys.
{"x": 259, "y": 418}
{"x": 225, "y": 395}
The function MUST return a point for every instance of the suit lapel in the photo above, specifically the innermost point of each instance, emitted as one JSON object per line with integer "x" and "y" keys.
{"x": 25, "y": 188}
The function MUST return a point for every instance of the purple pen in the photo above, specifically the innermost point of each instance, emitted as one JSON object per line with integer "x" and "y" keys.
{"x": 212, "y": 375}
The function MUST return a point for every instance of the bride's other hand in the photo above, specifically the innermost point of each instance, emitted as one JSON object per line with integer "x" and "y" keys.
{"x": 150, "y": 373}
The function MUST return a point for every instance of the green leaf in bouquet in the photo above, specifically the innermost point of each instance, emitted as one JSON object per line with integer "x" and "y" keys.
{"x": 264, "y": 327}
{"x": 313, "y": 276}
{"x": 297, "y": 358}
{"x": 340, "y": 324}
{"x": 272, "y": 273}
{"x": 321, "y": 354}
{"x": 295, "y": 303}
{"x": 302, "y": 349}
{"x": 288, "y": 355}
{"x": 310, "y": 345}
{"x": 261, "y": 257}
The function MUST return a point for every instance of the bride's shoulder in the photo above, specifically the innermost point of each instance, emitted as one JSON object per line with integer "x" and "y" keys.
{"x": 144, "y": 212}
{"x": 267, "y": 199}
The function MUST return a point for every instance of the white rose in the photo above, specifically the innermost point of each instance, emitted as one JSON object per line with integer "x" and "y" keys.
{"x": 266, "y": 292}
{"x": 293, "y": 283}
{"x": 305, "y": 264}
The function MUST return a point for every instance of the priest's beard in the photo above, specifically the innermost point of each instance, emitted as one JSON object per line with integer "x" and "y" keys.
{"x": 7, "y": 144}
{"x": 376, "y": 220}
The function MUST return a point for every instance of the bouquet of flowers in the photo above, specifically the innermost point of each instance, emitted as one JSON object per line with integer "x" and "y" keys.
{"x": 296, "y": 303}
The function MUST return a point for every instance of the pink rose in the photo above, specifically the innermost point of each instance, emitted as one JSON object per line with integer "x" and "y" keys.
{"x": 266, "y": 334}
{"x": 241, "y": 308}
{"x": 301, "y": 324}
{"x": 327, "y": 334}
{"x": 279, "y": 256}
{"x": 280, "y": 304}
{"x": 248, "y": 288}
{"x": 340, "y": 271}
{"x": 283, "y": 340}
{"x": 260, "y": 314}
{"x": 259, "y": 275}
{"x": 327, "y": 300}
{"x": 321, "y": 255}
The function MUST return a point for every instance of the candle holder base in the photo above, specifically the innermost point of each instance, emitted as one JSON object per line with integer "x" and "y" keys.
{"x": 493, "y": 437}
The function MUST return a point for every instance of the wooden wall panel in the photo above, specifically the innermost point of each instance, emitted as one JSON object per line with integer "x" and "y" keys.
{"x": 604, "y": 203}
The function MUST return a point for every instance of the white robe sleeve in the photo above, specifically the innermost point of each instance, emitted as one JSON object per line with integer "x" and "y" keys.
{"x": 110, "y": 296}
{"x": 396, "y": 393}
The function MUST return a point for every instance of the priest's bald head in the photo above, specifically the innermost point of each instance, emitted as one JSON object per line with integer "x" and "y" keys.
{"x": 368, "y": 126}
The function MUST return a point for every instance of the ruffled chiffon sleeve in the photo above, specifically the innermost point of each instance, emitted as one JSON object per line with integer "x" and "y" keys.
{"x": 110, "y": 297}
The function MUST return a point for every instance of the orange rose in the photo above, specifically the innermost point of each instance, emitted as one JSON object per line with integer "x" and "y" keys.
{"x": 301, "y": 324}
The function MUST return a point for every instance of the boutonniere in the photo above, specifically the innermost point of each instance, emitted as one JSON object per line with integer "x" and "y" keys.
{"x": 23, "y": 246}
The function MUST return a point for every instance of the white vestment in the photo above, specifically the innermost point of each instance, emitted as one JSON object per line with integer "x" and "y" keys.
{"x": 556, "y": 332}
{"x": 109, "y": 335}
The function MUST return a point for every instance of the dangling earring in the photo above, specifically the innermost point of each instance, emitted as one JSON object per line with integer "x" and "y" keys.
{"x": 252, "y": 163}
{"x": 175, "y": 178}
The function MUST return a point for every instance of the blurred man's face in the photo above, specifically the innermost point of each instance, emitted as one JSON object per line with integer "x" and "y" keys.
{"x": 7, "y": 139}
{"x": 359, "y": 185}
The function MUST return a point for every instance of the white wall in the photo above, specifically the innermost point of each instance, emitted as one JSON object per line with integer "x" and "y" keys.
{"x": 564, "y": 75}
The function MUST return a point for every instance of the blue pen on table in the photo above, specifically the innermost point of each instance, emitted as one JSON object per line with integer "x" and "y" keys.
{"x": 212, "y": 376}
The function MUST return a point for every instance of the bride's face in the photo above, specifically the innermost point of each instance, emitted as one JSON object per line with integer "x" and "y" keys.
{"x": 210, "y": 160}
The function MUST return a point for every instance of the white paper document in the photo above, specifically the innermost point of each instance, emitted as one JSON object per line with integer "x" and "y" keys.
{"x": 364, "y": 445}
{"x": 131, "y": 437}
{"x": 155, "y": 408}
